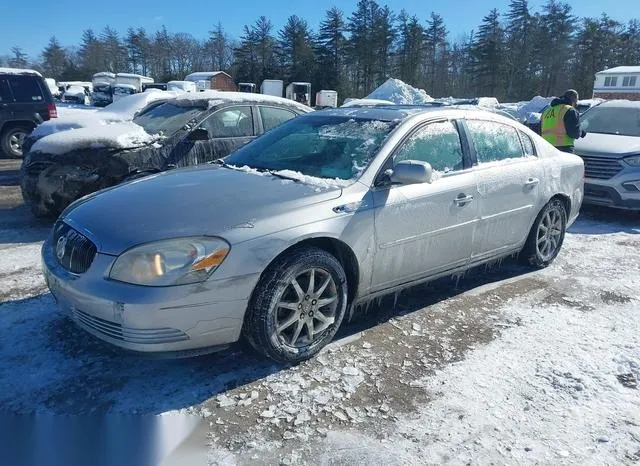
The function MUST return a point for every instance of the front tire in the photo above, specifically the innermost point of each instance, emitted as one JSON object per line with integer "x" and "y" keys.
{"x": 546, "y": 236}
{"x": 12, "y": 139}
{"x": 298, "y": 305}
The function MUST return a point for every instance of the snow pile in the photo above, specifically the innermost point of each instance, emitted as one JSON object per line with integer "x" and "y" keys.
{"x": 528, "y": 111}
{"x": 126, "y": 135}
{"x": 124, "y": 109}
{"x": 400, "y": 93}
{"x": 211, "y": 98}
{"x": 320, "y": 183}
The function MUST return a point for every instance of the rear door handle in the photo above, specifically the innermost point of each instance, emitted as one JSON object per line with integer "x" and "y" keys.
{"x": 463, "y": 199}
{"x": 532, "y": 182}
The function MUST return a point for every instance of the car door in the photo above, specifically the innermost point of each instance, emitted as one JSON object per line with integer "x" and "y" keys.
{"x": 508, "y": 174}
{"x": 228, "y": 128}
{"x": 270, "y": 117}
{"x": 422, "y": 229}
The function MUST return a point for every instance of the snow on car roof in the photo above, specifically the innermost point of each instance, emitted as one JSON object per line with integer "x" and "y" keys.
{"x": 211, "y": 98}
{"x": 201, "y": 75}
{"x": 19, "y": 71}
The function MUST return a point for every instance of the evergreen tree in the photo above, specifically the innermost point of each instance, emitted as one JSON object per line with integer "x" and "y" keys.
{"x": 54, "y": 59}
{"x": 488, "y": 55}
{"x": 91, "y": 55}
{"x": 630, "y": 44}
{"x": 435, "y": 42}
{"x": 409, "y": 48}
{"x": 219, "y": 49}
{"x": 115, "y": 58}
{"x": 518, "y": 39}
{"x": 331, "y": 47}
{"x": 296, "y": 50}
{"x": 19, "y": 58}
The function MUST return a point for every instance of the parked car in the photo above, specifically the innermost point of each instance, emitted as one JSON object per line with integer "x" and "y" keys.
{"x": 76, "y": 95}
{"x": 123, "y": 110}
{"x": 187, "y": 130}
{"x": 278, "y": 240}
{"x": 25, "y": 102}
{"x": 611, "y": 154}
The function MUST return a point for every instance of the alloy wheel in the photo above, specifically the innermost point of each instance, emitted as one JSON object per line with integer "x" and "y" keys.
{"x": 549, "y": 234}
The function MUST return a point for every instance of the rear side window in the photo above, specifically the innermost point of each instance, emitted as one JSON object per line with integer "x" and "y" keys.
{"x": 494, "y": 141}
{"x": 25, "y": 89}
{"x": 230, "y": 122}
{"x": 5, "y": 92}
{"x": 272, "y": 117}
{"x": 529, "y": 146}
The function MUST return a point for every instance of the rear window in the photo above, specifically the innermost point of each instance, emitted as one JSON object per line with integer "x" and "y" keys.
{"x": 26, "y": 89}
{"x": 494, "y": 141}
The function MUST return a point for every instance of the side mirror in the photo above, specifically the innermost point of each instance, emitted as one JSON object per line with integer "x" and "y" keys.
{"x": 411, "y": 172}
{"x": 199, "y": 134}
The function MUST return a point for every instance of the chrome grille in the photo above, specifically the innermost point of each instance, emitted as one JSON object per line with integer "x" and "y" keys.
{"x": 601, "y": 168}
{"x": 127, "y": 334}
{"x": 74, "y": 251}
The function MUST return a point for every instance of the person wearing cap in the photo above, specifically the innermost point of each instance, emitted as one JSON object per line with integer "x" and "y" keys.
{"x": 560, "y": 122}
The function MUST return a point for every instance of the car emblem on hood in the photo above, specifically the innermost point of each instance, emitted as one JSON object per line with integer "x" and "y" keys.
{"x": 61, "y": 247}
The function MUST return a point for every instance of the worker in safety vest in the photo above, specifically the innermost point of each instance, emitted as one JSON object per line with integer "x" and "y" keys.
{"x": 560, "y": 122}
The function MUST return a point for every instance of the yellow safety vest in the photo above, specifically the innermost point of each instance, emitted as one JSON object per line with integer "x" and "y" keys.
{"x": 552, "y": 126}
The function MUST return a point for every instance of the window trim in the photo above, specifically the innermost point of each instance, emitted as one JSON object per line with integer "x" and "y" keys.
{"x": 378, "y": 184}
{"x": 251, "y": 108}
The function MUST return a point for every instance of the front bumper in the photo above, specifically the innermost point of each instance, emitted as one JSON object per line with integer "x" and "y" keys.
{"x": 611, "y": 193}
{"x": 163, "y": 320}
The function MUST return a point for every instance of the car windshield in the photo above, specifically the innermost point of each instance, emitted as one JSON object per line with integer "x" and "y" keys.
{"x": 320, "y": 146}
{"x": 166, "y": 118}
{"x": 624, "y": 121}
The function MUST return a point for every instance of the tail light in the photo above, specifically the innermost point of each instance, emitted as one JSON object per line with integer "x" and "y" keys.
{"x": 53, "y": 111}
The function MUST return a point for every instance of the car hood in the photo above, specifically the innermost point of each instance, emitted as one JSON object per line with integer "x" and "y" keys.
{"x": 205, "y": 200}
{"x": 125, "y": 135}
{"x": 608, "y": 145}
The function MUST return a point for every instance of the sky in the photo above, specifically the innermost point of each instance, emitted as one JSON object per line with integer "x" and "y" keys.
{"x": 66, "y": 19}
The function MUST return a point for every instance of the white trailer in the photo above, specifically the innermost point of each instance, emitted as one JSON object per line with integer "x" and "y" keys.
{"x": 181, "y": 86}
{"x": 300, "y": 92}
{"x": 272, "y": 87}
{"x": 326, "y": 99}
{"x": 128, "y": 83}
{"x": 247, "y": 87}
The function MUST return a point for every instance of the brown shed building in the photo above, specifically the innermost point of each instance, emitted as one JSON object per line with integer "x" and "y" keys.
{"x": 218, "y": 80}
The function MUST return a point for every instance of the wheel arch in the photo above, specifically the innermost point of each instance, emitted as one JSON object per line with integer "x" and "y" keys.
{"x": 16, "y": 124}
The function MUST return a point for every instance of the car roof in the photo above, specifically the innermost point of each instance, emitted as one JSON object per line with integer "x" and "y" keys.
{"x": 399, "y": 112}
{"x": 213, "y": 98}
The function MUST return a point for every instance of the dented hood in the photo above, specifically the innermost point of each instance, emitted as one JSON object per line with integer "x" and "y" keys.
{"x": 209, "y": 200}
{"x": 125, "y": 135}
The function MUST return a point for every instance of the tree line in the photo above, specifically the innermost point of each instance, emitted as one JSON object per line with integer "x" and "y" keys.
{"x": 512, "y": 55}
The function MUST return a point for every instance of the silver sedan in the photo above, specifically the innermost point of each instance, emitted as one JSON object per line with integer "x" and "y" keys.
{"x": 277, "y": 242}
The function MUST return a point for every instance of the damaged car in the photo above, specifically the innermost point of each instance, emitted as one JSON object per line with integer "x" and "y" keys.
{"x": 183, "y": 131}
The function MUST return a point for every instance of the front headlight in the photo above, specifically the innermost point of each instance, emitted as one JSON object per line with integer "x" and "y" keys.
{"x": 170, "y": 262}
{"x": 634, "y": 160}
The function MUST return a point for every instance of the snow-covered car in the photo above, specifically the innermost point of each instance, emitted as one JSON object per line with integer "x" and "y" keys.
{"x": 279, "y": 240}
{"x": 611, "y": 154}
{"x": 123, "y": 110}
{"x": 76, "y": 95}
{"x": 189, "y": 129}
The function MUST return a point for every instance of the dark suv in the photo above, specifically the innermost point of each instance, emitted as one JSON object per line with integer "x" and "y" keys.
{"x": 25, "y": 102}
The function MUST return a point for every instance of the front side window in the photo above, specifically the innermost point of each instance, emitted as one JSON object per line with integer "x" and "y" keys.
{"x": 494, "y": 141}
{"x": 25, "y": 89}
{"x": 320, "y": 146}
{"x": 437, "y": 144}
{"x": 230, "y": 123}
{"x": 272, "y": 117}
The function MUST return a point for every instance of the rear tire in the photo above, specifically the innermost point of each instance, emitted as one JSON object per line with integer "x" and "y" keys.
{"x": 12, "y": 139}
{"x": 297, "y": 306}
{"x": 546, "y": 236}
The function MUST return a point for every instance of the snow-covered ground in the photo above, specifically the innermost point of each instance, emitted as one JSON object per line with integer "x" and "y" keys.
{"x": 502, "y": 366}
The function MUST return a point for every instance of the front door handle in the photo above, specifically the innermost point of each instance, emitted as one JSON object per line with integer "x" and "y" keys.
{"x": 531, "y": 182}
{"x": 463, "y": 199}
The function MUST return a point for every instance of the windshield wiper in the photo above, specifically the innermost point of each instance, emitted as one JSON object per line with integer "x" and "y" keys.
{"x": 280, "y": 175}
{"x": 605, "y": 132}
